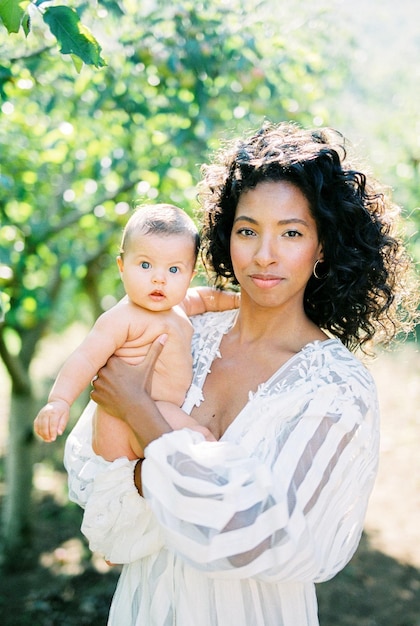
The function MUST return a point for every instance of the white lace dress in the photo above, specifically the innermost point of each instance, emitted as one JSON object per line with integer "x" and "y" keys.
{"x": 238, "y": 531}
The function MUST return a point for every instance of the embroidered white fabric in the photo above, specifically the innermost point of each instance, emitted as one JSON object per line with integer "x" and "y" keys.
{"x": 238, "y": 531}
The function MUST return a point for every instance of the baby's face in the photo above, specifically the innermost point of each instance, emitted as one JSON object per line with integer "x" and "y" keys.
{"x": 157, "y": 270}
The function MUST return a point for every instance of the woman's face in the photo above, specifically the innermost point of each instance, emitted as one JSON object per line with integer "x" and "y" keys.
{"x": 274, "y": 244}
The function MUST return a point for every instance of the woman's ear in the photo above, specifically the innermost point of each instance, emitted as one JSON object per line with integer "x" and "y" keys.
{"x": 320, "y": 255}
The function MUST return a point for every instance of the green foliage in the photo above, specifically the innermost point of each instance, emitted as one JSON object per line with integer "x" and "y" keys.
{"x": 83, "y": 149}
{"x": 12, "y": 14}
{"x": 377, "y": 106}
{"x": 73, "y": 37}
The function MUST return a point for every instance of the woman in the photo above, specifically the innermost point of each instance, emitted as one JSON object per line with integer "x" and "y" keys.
{"x": 237, "y": 531}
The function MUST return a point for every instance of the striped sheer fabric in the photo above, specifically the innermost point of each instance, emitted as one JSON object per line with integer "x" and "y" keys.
{"x": 238, "y": 531}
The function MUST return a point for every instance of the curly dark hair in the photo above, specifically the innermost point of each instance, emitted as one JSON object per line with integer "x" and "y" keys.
{"x": 364, "y": 289}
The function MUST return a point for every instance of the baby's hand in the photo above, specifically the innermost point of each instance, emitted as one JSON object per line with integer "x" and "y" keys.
{"x": 52, "y": 420}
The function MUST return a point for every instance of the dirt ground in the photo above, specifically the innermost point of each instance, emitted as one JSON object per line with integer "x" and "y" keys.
{"x": 59, "y": 583}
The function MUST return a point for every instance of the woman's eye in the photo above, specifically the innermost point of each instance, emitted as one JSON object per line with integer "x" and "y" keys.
{"x": 145, "y": 265}
{"x": 292, "y": 233}
{"x": 173, "y": 269}
{"x": 246, "y": 232}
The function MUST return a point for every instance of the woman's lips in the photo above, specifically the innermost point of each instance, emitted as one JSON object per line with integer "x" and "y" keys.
{"x": 266, "y": 281}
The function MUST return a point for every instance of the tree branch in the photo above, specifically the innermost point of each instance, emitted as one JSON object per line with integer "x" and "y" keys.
{"x": 75, "y": 216}
{"x": 17, "y": 373}
{"x": 31, "y": 55}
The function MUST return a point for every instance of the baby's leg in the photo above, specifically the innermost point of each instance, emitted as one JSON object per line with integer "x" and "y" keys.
{"x": 177, "y": 419}
{"x": 112, "y": 438}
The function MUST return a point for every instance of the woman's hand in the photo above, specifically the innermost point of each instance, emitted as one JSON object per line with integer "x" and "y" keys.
{"x": 123, "y": 390}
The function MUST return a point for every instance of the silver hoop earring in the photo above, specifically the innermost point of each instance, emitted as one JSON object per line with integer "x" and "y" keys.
{"x": 314, "y": 271}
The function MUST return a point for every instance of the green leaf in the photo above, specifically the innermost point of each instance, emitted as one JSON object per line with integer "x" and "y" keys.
{"x": 77, "y": 62}
{"x": 5, "y": 77}
{"x": 12, "y": 13}
{"x": 26, "y": 24}
{"x": 73, "y": 37}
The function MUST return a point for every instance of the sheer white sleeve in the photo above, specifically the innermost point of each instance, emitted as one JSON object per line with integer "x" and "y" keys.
{"x": 283, "y": 495}
{"x": 118, "y": 523}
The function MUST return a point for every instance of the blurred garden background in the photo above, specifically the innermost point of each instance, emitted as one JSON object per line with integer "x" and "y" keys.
{"x": 86, "y": 132}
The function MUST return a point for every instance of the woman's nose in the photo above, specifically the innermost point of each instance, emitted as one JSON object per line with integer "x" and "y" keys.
{"x": 264, "y": 254}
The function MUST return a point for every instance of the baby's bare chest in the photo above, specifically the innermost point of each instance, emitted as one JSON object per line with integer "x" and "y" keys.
{"x": 143, "y": 331}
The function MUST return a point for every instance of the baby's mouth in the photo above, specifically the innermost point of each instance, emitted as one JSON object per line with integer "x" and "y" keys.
{"x": 157, "y": 294}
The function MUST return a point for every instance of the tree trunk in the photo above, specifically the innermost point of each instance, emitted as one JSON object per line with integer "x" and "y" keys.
{"x": 17, "y": 502}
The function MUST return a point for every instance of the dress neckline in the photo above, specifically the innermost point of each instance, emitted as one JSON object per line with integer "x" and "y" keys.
{"x": 211, "y": 351}
{"x": 252, "y": 395}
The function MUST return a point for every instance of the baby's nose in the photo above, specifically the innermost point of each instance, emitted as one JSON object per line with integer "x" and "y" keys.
{"x": 159, "y": 278}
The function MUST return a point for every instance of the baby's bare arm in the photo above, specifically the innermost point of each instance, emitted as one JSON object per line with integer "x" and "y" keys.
{"x": 78, "y": 370}
{"x": 203, "y": 299}
{"x": 76, "y": 373}
{"x": 107, "y": 335}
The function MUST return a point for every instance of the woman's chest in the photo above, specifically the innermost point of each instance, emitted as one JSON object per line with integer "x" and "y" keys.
{"x": 228, "y": 386}
{"x": 225, "y": 394}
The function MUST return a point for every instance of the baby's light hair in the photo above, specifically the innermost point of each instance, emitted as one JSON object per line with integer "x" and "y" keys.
{"x": 160, "y": 219}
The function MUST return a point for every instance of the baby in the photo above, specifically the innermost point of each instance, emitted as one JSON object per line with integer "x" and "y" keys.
{"x": 157, "y": 259}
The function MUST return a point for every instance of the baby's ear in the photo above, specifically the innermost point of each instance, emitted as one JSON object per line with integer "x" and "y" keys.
{"x": 120, "y": 264}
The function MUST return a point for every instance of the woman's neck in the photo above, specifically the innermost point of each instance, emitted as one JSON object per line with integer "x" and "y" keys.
{"x": 289, "y": 329}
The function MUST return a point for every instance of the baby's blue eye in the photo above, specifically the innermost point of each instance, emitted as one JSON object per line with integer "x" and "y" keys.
{"x": 173, "y": 269}
{"x": 145, "y": 265}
